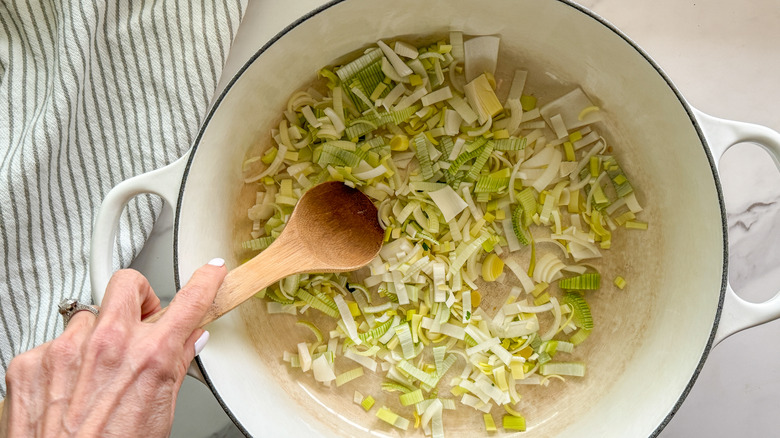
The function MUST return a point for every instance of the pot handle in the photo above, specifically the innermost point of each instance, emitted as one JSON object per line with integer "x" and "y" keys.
{"x": 163, "y": 182}
{"x": 738, "y": 314}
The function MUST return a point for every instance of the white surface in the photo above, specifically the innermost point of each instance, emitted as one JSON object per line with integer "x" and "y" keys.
{"x": 722, "y": 55}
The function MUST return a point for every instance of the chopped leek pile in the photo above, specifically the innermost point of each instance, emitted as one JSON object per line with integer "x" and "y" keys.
{"x": 469, "y": 185}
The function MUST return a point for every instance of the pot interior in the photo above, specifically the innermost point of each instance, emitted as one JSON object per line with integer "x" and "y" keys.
{"x": 649, "y": 339}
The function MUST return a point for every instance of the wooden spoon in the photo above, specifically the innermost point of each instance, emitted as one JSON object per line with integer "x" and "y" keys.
{"x": 334, "y": 228}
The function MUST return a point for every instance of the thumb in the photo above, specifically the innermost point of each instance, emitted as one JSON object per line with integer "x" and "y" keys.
{"x": 193, "y": 300}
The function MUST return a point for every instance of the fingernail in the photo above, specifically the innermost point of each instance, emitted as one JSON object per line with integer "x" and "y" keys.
{"x": 217, "y": 262}
{"x": 201, "y": 342}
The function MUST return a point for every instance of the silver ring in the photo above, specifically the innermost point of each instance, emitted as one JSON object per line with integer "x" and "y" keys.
{"x": 70, "y": 306}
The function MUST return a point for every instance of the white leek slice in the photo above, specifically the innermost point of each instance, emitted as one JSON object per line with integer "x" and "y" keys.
{"x": 518, "y": 84}
{"x": 411, "y": 99}
{"x": 400, "y": 288}
{"x": 434, "y": 408}
{"x": 389, "y": 71}
{"x": 495, "y": 393}
{"x": 476, "y": 403}
{"x": 451, "y": 330}
{"x": 304, "y": 356}
{"x": 398, "y": 64}
{"x": 272, "y": 168}
{"x": 448, "y": 201}
{"x": 482, "y": 346}
{"x": 466, "y": 303}
{"x": 516, "y": 329}
{"x": 338, "y": 124}
{"x": 521, "y": 274}
{"x": 405, "y": 338}
{"x": 556, "y": 310}
{"x": 521, "y": 307}
{"x": 452, "y": 121}
{"x": 384, "y": 339}
{"x": 372, "y": 173}
{"x": 502, "y": 353}
{"x": 349, "y": 320}
{"x": 457, "y": 148}
{"x": 515, "y": 116}
{"x": 323, "y": 372}
{"x": 439, "y": 282}
{"x": 437, "y": 96}
{"x": 309, "y": 115}
{"x": 406, "y": 50}
{"x": 476, "y": 213}
{"x": 551, "y": 172}
{"x": 464, "y": 110}
{"x": 480, "y": 56}
{"x": 456, "y": 40}
{"x": 391, "y": 97}
{"x": 541, "y": 158}
{"x": 559, "y": 126}
{"x": 569, "y": 106}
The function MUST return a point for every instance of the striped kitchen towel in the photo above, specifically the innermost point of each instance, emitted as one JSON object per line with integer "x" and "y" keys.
{"x": 92, "y": 92}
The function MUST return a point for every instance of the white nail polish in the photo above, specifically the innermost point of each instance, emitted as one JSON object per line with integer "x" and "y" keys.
{"x": 217, "y": 262}
{"x": 201, "y": 342}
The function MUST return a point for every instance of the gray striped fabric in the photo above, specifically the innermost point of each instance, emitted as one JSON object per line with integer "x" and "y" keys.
{"x": 92, "y": 92}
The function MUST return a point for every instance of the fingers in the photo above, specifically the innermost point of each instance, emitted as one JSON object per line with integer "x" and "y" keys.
{"x": 128, "y": 296}
{"x": 193, "y": 300}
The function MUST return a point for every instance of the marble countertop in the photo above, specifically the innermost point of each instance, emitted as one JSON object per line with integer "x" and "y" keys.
{"x": 723, "y": 56}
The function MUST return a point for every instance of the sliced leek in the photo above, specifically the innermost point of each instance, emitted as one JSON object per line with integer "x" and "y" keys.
{"x": 465, "y": 185}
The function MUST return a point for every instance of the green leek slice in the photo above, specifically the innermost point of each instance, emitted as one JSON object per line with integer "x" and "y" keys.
{"x": 518, "y": 226}
{"x": 582, "y": 316}
{"x": 385, "y": 414}
{"x": 587, "y": 281}
{"x": 511, "y": 422}
{"x": 423, "y": 155}
{"x": 411, "y": 398}
{"x": 367, "y": 403}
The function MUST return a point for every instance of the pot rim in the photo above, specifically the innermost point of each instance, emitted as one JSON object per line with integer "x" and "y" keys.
{"x": 686, "y": 106}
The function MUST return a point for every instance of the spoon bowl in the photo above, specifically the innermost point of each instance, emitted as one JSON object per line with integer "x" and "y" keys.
{"x": 338, "y": 225}
{"x": 333, "y": 228}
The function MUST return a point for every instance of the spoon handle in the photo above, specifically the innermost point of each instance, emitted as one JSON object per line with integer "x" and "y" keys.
{"x": 240, "y": 284}
{"x": 281, "y": 259}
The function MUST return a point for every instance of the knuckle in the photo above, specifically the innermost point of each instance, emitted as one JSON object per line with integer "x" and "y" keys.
{"x": 160, "y": 361}
{"x": 63, "y": 350}
{"x": 21, "y": 365}
{"x": 22, "y": 370}
{"x": 109, "y": 343}
{"x": 128, "y": 275}
{"x": 128, "y": 279}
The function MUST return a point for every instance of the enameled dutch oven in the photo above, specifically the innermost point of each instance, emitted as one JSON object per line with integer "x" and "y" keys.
{"x": 651, "y": 341}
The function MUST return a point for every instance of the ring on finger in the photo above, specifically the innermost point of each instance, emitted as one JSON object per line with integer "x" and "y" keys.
{"x": 70, "y": 306}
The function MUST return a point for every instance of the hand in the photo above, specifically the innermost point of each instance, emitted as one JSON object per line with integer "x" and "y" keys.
{"x": 113, "y": 375}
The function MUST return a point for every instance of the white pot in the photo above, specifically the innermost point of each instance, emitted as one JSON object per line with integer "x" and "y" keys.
{"x": 651, "y": 341}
